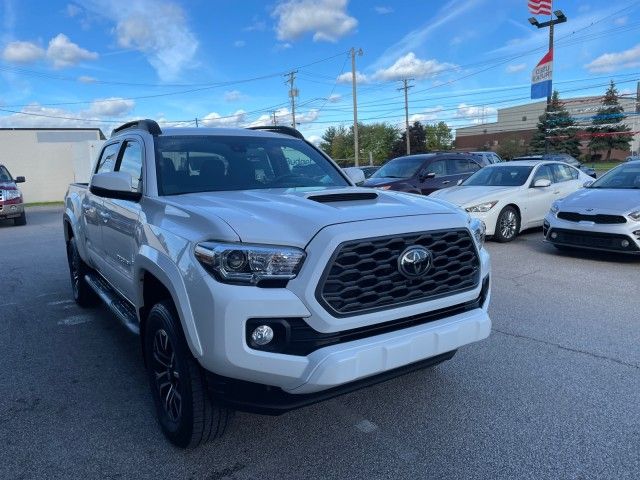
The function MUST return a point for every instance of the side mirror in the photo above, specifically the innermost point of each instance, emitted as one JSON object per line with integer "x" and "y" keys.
{"x": 115, "y": 185}
{"x": 459, "y": 182}
{"x": 425, "y": 176}
{"x": 542, "y": 183}
{"x": 355, "y": 174}
{"x": 19, "y": 180}
{"x": 587, "y": 184}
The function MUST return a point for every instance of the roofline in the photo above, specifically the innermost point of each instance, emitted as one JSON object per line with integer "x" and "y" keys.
{"x": 58, "y": 128}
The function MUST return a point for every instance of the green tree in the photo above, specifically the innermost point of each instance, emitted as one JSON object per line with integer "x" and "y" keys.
{"x": 556, "y": 130}
{"x": 417, "y": 139}
{"x": 511, "y": 148}
{"x": 377, "y": 138}
{"x": 607, "y": 130}
{"x": 328, "y": 138}
{"x": 438, "y": 136}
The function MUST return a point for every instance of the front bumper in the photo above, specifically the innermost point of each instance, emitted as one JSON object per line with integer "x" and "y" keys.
{"x": 489, "y": 218}
{"x": 12, "y": 210}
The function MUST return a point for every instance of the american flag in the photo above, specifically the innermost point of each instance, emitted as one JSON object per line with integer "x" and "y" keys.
{"x": 540, "y": 7}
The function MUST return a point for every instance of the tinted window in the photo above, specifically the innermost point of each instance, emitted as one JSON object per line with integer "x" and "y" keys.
{"x": 107, "y": 162}
{"x": 215, "y": 163}
{"x": 564, "y": 173}
{"x": 5, "y": 176}
{"x": 507, "y": 176}
{"x": 401, "y": 167}
{"x": 622, "y": 177}
{"x": 460, "y": 166}
{"x": 544, "y": 172}
{"x": 131, "y": 163}
{"x": 437, "y": 167}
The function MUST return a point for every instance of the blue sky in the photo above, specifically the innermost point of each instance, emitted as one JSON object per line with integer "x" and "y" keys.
{"x": 107, "y": 61}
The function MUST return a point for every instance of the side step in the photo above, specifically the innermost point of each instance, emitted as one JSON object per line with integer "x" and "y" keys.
{"x": 120, "y": 307}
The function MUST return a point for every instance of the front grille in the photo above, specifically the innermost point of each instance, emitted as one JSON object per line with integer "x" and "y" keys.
{"x": 362, "y": 275}
{"x": 607, "y": 241}
{"x": 599, "y": 218}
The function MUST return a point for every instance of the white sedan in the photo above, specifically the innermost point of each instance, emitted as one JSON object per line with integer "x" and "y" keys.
{"x": 513, "y": 196}
{"x": 604, "y": 216}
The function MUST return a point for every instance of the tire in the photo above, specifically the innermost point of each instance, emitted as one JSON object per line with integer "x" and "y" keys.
{"x": 507, "y": 225}
{"x": 21, "y": 220}
{"x": 184, "y": 407}
{"x": 83, "y": 294}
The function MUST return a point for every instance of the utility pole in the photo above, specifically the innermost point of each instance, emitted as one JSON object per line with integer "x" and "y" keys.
{"x": 406, "y": 87}
{"x": 275, "y": 121}
{"x": 353, "y": 52}
{"x": 293, "y": 93}
{"x": 196, "y": 122}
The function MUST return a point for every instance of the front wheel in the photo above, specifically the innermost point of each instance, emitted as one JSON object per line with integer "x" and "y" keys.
{"x": 83, "y": 294}
{"x": 508, "y": 225}
{"x": 21, "y": 220}
{"x": 184, "y": 407}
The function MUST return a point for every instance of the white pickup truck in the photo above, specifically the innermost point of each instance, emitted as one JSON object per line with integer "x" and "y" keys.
{"x": 260, "y": 278}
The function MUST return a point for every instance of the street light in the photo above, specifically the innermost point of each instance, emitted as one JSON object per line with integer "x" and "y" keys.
{"x": 561, "y": 18}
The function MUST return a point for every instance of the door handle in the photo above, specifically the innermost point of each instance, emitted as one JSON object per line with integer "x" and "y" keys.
{"x": 446, "y": 181}
{"x": 88, "y": 209}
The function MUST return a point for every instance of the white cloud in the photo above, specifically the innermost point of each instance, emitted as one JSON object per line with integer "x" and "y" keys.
{"x": 610, "y": 62}
{"x": 382, "y": 10}
{"x": 515, "y": 68}
{"x": 233, "y": 96}
{"x": 111, "y": 107}
{"x": 73, "y": 10}
{"x": 621, "y": 21}
{"x": 346, "y": 77}
{"x": 282, "y": 46}
{"x": 315, "y": 139}
{"x": 410, "y": 66}
{"x": 214, "y": 119}
{"x": 327, "y": 19}
{"x": 428, "y": 115}
{"x": 283, "y": 117}
{"x": 334, "y": 98}
{"x": 475, "y": 114}
{"x": 157, "y": 28}
{"x": 87, "y": 79}
{"x": 239, "y": 43}
{"x": 62, "y": 52}
{"x": 257, "y": 25}
{"x": 22, "y": 52}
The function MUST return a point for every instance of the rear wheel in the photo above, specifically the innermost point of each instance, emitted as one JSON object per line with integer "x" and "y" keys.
{"x": 184, "y": 407}
{"x": 83, "y": 294}
{"x": 21, "y": 220}
{"x": 508, "y": 225}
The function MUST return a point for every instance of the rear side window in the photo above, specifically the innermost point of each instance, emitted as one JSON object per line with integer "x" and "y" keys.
{"x": 131, "y": 163}
{"x": 107, "y": 162}
{"x": 437, "y": 167}
{"x": 563, "y": 173}
{"x": 544, "y": 172}
{"x": 462, "y": 165}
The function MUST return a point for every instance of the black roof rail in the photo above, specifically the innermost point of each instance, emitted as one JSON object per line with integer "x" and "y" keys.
{"x": 150, "y": 126}
{"x": 292, "y": 132}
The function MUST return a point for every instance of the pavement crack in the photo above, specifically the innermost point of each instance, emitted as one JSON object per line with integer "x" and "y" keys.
{"x": 570, "y": 349}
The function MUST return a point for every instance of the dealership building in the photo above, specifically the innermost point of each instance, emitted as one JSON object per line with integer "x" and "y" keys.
{"x": 519, "y": 123}
{"x": 49, "y": 158}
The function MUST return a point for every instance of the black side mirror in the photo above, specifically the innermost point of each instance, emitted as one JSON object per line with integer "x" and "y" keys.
{"x": 19, "y": 180}
{"x": 424, "y": 176}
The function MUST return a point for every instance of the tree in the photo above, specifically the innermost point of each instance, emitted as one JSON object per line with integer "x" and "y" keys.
{"x": 328, "y": 138}
{"x": 556, "y": 130}
{"x": 417, "y": 138}
{"x": 511, "y": 148}
{"x": 438, "y": 136}
{"x": 607, "y": 130}
{"x": 377, "y": 138}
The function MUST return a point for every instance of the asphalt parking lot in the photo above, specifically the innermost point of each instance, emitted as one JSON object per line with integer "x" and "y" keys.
{"x": 554, "y": 393}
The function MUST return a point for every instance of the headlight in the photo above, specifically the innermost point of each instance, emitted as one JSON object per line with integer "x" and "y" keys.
{"x": 478, "y": 229}
{"x": 249, "y": 264}
{"x": 12, "y": 194}
{"x": 635, "y": 215}
{"x": 482, "y": 207}
{"x": 555, "y": 208}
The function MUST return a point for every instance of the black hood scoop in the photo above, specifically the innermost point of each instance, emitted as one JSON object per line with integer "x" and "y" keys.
{"x": 343, "y": 197}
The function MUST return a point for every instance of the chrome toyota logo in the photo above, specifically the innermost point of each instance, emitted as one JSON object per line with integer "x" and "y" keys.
{"x": 414, "y": 262}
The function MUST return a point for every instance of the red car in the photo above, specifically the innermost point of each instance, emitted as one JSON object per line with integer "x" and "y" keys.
{"x": 11, "y": 204}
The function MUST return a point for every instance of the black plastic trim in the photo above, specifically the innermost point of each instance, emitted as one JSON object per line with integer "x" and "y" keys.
{"x": 117, "y": 195}
{"x": 147, "y": 125}
{"x": 292, "y": 132}
{"x": 632, "y": 249}
{"x": 343, "y": 197}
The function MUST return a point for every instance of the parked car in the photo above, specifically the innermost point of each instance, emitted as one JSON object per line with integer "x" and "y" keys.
{"x": 604, "y": 216}
{"x": 511, "y": 197}
{"x": 487, "y": 158}
{"x": 632, "y": 158}
{"x": 11, "y": 201}
{"x": 560, "y": 157}
{"x": 369, "y": 170}
{"x": 424, "y": 173}
{"x": 260, "y": 289}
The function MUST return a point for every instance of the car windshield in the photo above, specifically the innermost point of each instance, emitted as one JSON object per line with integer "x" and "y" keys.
{"x": 402, "y": 167}
{"x": 500, "y": 176}
{"x": 199, "y": 163}
{"x": 4, "y": 175}
{"x": 622, "y": 177}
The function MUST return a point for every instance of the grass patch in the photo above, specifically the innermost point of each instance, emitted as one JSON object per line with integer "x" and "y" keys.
{"x": 44, "y": 204}
{"x": 603, "y": 166}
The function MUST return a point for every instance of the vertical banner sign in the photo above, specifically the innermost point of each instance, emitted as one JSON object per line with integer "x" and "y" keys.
{"x": 541, "y": 77}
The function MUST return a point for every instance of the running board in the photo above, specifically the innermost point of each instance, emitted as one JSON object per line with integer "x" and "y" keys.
{"x": 121, "y": 308}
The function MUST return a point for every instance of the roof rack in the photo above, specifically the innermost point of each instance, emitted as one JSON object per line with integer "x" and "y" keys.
{"x": 292, "y": 132}
{"x": 150, "y": 126}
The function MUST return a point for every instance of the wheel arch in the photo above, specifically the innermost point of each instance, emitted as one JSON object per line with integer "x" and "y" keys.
{"x": 518, "y": 211}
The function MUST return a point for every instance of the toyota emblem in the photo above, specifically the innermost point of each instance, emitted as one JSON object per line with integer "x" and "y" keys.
{"x": 414, "y": 262}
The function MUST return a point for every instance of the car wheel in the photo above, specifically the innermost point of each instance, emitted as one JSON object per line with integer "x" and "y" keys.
{"x": 508, "y": 225}
{"x": 83, "y": 294}
{"x": 184, "y": 407}
{"x": 21, "y": 220}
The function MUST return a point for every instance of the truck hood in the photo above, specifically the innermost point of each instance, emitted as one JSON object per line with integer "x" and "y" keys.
{"x": 473, "y": 195}
{"x": 610, "y": 199}
{"x": 293, "y": 216}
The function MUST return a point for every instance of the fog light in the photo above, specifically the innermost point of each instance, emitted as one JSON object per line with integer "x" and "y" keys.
{"x": 637, "y": 233}
{"x": 624, "y": 243}
{"x": 262, "y": 335}
{"x": 554, "y": 235}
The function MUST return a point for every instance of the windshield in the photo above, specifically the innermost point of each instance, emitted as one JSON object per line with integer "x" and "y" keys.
{"x": 502, "y": 176}
{"x": 198, "y": 163}
{"x": 5, "y": 177}
{"x": 622, "y": 177}
{"x": 403, "y": 167}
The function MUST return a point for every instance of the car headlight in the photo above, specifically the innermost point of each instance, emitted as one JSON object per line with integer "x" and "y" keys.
{"x": 635, "y": 215}
{"x": 555, "y": 208}
{"x": 250, "y": 264}
{"x": 12, "y": 194}
{"x": 478, "y": 229}
{"x": 482, "y": 207}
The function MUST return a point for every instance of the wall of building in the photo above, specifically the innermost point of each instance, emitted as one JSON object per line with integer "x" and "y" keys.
{"x": 49, "y": 159}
